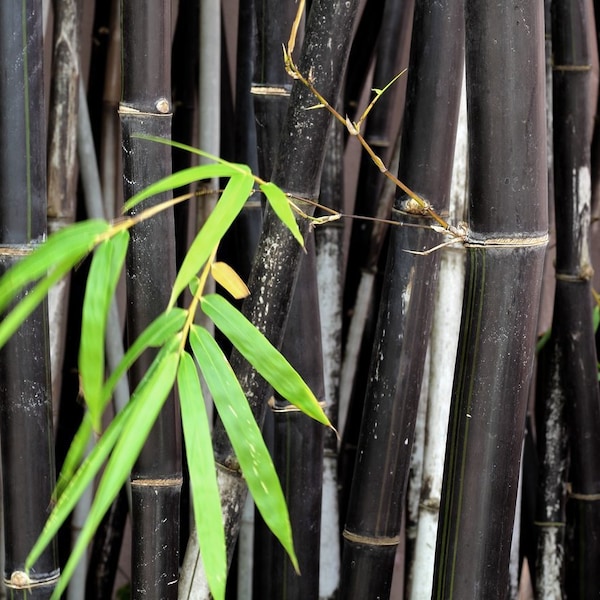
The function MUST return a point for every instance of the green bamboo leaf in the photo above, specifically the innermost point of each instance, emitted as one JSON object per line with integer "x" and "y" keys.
{"x": 279, "y": 203}
{"x": 156, "y": 334}
{"x": 75, "y": 455}
{"x": 102, "y": 280}
{"x": 262, "y": 355}
{"x": 149, "y": 398}
{"x": 239, "y": 168}
{"x": 245, "y": 436}
{"x": 79, "y": 480}
{"x": 228, "y": 207}
{"x": 205, "y": 491}
{"x": 67, "y": 246}
{"x": 181, "y": 179}
{"x": 30, "y": 300}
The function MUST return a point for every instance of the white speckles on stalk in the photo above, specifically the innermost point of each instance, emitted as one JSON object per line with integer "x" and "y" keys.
{"x": 407, "y": 292}
{"x": 583, "y": 184}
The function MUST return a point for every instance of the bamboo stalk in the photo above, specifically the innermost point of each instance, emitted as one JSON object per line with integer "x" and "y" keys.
{"x": 381, "y": 130}
{"x": 328, "y": 243}
{"x": 373, "y": 200}
{"x": 371, "y": 536}
{"x": 62, "y": 160}
{"x": 298, "y": 451}
{"x": 145, "y": 108}
{"x": 25, "y": 392}
{"x": 505, "y": 253}
{"x": 271, "y": 84}
{"x": 443, "y": 343}
{"x": 274, "y": 271}
{"x": 107, "y": 543}
{"x": 361, "y": 54}
{"x": 575, "y": 92}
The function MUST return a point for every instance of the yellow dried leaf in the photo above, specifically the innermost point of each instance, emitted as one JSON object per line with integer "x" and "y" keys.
{"x": 225, "y": 276}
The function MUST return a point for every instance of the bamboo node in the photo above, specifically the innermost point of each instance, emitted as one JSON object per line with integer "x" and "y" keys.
{"x": 286, "y": 407}
{"x": 549, "y": 524}
{"x": 371, "y": 540}
{"x": 9, "y": 251}
{"x": 572, "y": 68}
{"x": 270, "y": 90}
{"x": 584, "y": 275}
{"x": 584, "y": 497}
{"x": 508, "y": 242}
{"x": 20, "y": 580}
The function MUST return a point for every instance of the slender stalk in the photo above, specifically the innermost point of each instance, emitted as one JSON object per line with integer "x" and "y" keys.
{"x": 361, "y": 54}
{"x": 329, "y": 242}
{"x": 443, "y": 345}
{"x": 25, "y": 394}
{"x": 298, "y": 449}
{"x": 110, "y": 164}
{"x": 575, "y": 92}
{"x": 373, "y": 199}
{"x": 371, "y": 536}
{"x": 62, "y": 159}
{"x": 381, "y": 131}
{"x": 106, "y": 547}
{"x": 505, "y": 253}
{"x": 271, "y": 84}
{"x": 274, "y": 271}
{"x": 146, "y": 108}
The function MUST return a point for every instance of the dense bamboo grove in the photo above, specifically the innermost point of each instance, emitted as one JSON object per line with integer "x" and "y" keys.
{"x": 360, "y": 310}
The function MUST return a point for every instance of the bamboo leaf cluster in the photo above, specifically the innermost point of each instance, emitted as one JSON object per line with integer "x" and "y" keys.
{"x": 117, "y": 447}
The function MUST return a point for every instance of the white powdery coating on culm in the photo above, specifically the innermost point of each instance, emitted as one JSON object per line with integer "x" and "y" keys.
{"x": 583, "y": 185}
{"x": 549, "y": 581}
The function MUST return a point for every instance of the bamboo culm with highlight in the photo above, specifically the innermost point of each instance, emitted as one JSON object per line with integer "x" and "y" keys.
{"x": 145, "y": 109}
{"x": 26, "y": 431}
{"x": 506, "y": 244}
{"x": 371, "y": 537}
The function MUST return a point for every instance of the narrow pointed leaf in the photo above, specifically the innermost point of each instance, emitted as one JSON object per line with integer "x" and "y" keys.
{"x": 102, "y": 280}
{"x": 75, "y": 455}
{"x": 226, "y": 210}
{"x": 79, "y": 480}
{"x": 245, "y": 436}
{"x": 150, "y": 395}
{"x": 238, "y": 168}
{"x": 226, "y": 277}
{"x": 156, "y": 334}
{"x": 181, "y": 179}
{"x": 28, "y": 302}
{"x": 280, "y": 205}
{"x": 67, "y": 246}
{"x": 205, "y": 491}
{"x": 262, "y": 355}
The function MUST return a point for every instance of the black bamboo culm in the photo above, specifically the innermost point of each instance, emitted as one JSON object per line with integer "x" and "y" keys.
{"x": 366, "y": 252}
{"x": 25, "y": 395}
{"x": 380, "y": 132}
{"x": 271, "y": 84}
{"x": 145, "y": 108}
{"x": 297, "y": 171}
{"x": 298, "y": 449}
{"x": 505, "y": 253}
{"x": 104, "y": 559}
{"x": 329, "y": 239}
{"x": 185, "y": 97}
{"x": 62, "y": 160}
{"x": 361, "y": 55}
{"x": 574, "y": 104}
{"x": 371, "y": 537}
